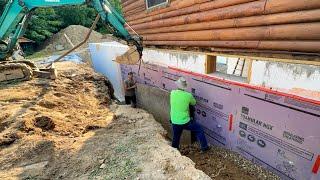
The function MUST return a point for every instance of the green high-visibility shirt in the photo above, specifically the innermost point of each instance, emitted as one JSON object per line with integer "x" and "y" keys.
{"x": 179, "y": 102}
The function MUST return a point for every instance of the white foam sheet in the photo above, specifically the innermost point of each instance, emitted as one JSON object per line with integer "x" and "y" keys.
{"x": 103, "y": 56}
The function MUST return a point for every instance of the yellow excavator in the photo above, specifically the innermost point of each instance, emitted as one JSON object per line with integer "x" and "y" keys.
{"x": 14, "y": 20}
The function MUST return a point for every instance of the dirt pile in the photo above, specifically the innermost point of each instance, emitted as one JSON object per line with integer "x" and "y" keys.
{"x": 44, "y": 111}
{"x": 59, "y": 44}
{"x": 76, "y": 34}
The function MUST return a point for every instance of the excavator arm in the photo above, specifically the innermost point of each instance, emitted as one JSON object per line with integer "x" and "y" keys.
{"x": 17, "y": 12}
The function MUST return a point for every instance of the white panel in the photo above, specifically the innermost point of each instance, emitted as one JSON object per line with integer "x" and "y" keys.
{"x": 285, "y": 76}
{"x": 182, "y": 60}
{"x": 102, "y": 55}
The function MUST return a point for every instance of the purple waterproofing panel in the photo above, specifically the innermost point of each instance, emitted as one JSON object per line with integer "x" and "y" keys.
{"x": 150, "y": 74}
{"x": 214, "y": 106}
{"x": 277, "y": 135}
{"x": 278, "y": 132}
{"x": 168, "y": 78}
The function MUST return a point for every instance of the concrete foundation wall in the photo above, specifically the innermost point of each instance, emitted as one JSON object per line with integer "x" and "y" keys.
{"x": 158, "y": 104}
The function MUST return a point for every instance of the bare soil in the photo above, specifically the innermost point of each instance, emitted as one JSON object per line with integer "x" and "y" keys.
{"x": 222, "y": 164}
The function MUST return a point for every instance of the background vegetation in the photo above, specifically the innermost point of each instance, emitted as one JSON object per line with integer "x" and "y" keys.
{"x": 47, "y": 21}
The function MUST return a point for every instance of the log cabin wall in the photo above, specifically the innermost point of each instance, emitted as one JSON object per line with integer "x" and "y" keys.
{"x": 254, "y": 25}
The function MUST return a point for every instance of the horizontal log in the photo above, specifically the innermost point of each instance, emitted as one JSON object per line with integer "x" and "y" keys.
{"x": 242, "y": 10}
{"x": 277, "y": 6}
{"x": 126, "y": 3}
{"x": 272, "y": 19}
{"x": 247, "y": 9}
{"x": 192, "y": 9}
{"x": 175, "y": 5}
{"x": 134, "y": 11}
{"x": 135, "y": 5}
{"x": 300, "y": 46}
{"x": 303, "y": 31}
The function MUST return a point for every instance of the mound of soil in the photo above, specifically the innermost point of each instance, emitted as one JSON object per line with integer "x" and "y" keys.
{"x": 76, "y": 34}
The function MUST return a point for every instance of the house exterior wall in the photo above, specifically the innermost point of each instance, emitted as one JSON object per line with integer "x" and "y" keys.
{"x": 267, "y": 25}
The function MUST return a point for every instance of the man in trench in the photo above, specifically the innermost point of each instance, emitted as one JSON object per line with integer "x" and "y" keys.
{"x": 180, "y": 100}
{"x": 130, "y": 90}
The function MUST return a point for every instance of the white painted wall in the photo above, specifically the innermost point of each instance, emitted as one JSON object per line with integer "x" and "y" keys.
{"x": 285, "y": 76}
{"x": 182, "y": 60}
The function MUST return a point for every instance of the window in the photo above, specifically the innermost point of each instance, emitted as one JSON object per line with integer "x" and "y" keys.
{"x": 232, "y": 68}
{"x": 155, "y": 3}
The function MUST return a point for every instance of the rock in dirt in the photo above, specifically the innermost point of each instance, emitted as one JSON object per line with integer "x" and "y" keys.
{"x": 44, "y": 122}
{"x": 8, "y": 139}
{"x": 103, "y": 166}
{"x": 101, "y": 161}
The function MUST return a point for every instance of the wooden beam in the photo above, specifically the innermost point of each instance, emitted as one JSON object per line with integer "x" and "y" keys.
{"x": 249, "y": 70}
{"x": 211, "y": 64}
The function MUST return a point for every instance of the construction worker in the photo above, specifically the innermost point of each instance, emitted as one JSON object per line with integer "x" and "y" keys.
{"x": 180, "y": 100}
{"x": 130, "y": 90}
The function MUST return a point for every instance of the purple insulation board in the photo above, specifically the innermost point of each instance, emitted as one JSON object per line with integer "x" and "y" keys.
{"x": 276, "y": 131}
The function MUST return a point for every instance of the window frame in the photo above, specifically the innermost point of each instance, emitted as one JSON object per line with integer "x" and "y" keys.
{"x": 158, "y": 5}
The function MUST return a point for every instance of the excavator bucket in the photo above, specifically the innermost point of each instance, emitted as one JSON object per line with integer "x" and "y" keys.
{"x": 131, "y": 57}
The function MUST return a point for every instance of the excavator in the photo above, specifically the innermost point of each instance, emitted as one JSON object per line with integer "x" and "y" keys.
{"x": 13, "y": 23}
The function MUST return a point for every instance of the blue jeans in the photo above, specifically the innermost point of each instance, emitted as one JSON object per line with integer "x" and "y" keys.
{"x": 194, "y": 128}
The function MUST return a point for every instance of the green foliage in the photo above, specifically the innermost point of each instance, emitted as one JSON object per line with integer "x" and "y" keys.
{"x": 2, "y": 5}
{"x": 84, "y": 15}
{"x": 47, "y": 21}
{"x": 43, "y": 24}
{"x": 117, "y": 5}
{"x": 76, "y": 15}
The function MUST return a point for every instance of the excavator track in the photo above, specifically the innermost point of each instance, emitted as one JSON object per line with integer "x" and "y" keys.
{"x": 12, "y": 71}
